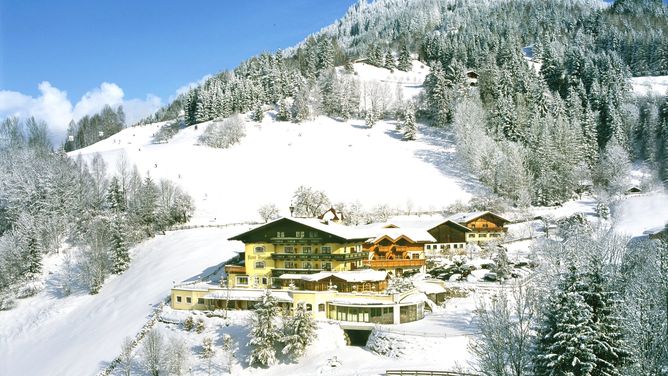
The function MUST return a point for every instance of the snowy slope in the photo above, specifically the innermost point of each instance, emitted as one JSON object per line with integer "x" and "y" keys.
{"x": 638, "y": 213}
{"x": 345, "y": 159}
{"x": 80, "y": 334}
{"x": 656, "y": 85}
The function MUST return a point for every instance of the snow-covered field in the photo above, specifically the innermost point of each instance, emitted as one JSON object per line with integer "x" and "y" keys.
{"x": 347, "y": 160}
{"x": 638, "y": 213}
{"x": 656, "y": 85}
{"x": 80, "y": 334}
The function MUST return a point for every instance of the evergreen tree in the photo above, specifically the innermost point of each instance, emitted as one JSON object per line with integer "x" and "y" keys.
{"x": 374, "y": 55}
{"x": 264, "y": 334}
{"x": 389, "y": 60}
{"x": 566, "y": 336}
{"x": 283, "y": 113}
{"x": 258, "y": 113}
{"x": 120, "y": 255}
{"x": 115, "y": 196}
{"x": 408, "y": 124}
{"x": 299, "y": 331}
{"x": 404, "y": 62}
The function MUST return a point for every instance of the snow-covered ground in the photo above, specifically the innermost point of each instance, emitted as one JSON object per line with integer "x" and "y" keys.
{"x": 656, "y": 85}
{"x": 80, "y": 334}
{"x": 637, "y": 213}
{"x": 347, "y": 160}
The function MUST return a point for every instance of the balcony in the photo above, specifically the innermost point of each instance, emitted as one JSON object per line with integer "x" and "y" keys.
{"x": 407, "y": 263}
{"x": 320, "y": 256}
{"x": 285, "y": 240}
{"x": 235, "y": 269}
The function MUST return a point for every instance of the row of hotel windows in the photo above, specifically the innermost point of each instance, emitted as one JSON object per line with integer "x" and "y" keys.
{"x": 298, "y": 234}
{"x": 243, "y": 280}
{"x": 189, "y": 300}
{"x": 492, "y": 235}
{"x": 290, "y": 249}
{"x": 445, "y": 246}
{"x": 295, "y": 265}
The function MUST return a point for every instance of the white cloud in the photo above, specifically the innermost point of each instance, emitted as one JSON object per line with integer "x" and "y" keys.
{"x": 53, "y": 106}
{"x": 183, "y": 89}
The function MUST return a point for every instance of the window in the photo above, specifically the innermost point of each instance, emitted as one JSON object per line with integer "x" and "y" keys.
{"x": 306, "y": 250}
{"x": 312, "y": 234}
{"x": 256, "y": 281}
{"x": 482, "y": 235}
{"x": 200, "y": 300}
{"x": 327, "y": 265}
{"x": 178, "y": 299}
{"x": 309, "y": 307}
{"x": 428, "y": 246}
{"x": 259, "y": 249}
{"x": 299, "y": 234}
{"x": 326, "y": 249}
{"x": 242, "y": 280}
{"x": 290, "y": 265}
{"x": 321, "y": 307}
{"x": 280, "y": 234}
{"x": 259, "y": 264}
{"x": 485, "y": 225}
{"x": 189, "y": 300}
{"x": 265, "y": 280}
{"x": 307, "y": 265}
{"x": 289, "y": 249}
{"x": 442, "y": 246}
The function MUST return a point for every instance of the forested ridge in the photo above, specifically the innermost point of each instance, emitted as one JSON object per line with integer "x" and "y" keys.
{"x": 533, "y": 136}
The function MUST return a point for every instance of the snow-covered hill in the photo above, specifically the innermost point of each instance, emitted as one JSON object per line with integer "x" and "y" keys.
{"x": 347, "y": 160}
{"x": 80, "y": 334}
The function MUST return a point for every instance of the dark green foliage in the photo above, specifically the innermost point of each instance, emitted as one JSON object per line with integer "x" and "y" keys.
{"x": 91, "y": 129}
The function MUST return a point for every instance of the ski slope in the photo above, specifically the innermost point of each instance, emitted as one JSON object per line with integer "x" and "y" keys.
{"x": 80, "y": 334}
{"x": 347, "y": 160}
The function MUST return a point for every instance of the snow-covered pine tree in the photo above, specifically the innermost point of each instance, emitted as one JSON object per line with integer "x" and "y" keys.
{"x": 371, "y": 118}
{"x": 115, "y": 196}
{"x": 404, "y": 61}
{"x": 408, "y": 124}
{"x": 257, "y": 114}
{"x": 265, "y": 333}
{"x": 120, "y": 254}
{"x": 501, "y": 264}
{"x": 299, "y": 331}
{"x": 389, "y": 60}
{"x": 566, "y": 335}
{"x": 283, "y": 113}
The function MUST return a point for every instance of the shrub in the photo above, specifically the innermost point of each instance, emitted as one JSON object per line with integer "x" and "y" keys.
{"x": 224, "y": 134}
{"x": 189, "y": 323}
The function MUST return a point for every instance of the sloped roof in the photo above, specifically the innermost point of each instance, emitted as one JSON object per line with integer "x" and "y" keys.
{"x": 466, "y": 217}
{"x": 338, "y": 230}
{"x": 416, "y": 235}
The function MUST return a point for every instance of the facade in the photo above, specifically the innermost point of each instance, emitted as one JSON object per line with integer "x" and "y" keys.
{"x": 485, "y": 226}
{"x": 449, "y": 237}
{"x": 398, "y": 250}
{"x": 296, "y": 246}
{"x": 358, "y": 307}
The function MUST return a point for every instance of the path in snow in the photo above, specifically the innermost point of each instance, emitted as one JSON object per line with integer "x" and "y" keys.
{"x": 81, "y": 334}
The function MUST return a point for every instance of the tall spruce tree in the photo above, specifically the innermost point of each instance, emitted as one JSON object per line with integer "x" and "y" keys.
{"x": 299, "y": 331}
{"x": 404, "y": 61}
{"x": 567, "y": 334}
{"x": 265, "y": 333}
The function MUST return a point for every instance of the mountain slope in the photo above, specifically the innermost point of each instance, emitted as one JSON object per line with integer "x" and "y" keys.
{"x": 348, "y": 160}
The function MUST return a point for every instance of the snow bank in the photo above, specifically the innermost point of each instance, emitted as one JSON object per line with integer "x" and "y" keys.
{"x": 656, "y": 85}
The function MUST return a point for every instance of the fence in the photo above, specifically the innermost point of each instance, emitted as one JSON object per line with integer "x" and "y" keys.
{"x": 403, "y": 372}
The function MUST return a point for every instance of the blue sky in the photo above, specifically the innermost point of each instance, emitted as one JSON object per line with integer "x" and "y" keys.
{"x": 138, "y": 48}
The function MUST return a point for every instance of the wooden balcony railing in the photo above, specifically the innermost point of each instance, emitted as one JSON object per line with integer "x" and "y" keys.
{"x": 376, "y": 264}
{"x": 235, "y": 269}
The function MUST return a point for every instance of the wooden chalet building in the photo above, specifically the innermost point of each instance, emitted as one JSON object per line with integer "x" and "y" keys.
{"x": 484, "y": 225}
{"x": 448, "y": 236}
{"x": 296, "y": 246}
{"x": 397, "y": 250}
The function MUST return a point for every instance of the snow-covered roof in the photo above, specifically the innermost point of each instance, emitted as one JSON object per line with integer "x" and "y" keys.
{"x": 430, "y": 287}
{"x": 415, "y": 298}
{"x": 417, "y": 235}
{"x": 339, "y": 230}
{"x": 248, "y": 294}
{"x": 469, "y": 216}
{"x": 364, "y": 275}
{"x": 360, "y": 301}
